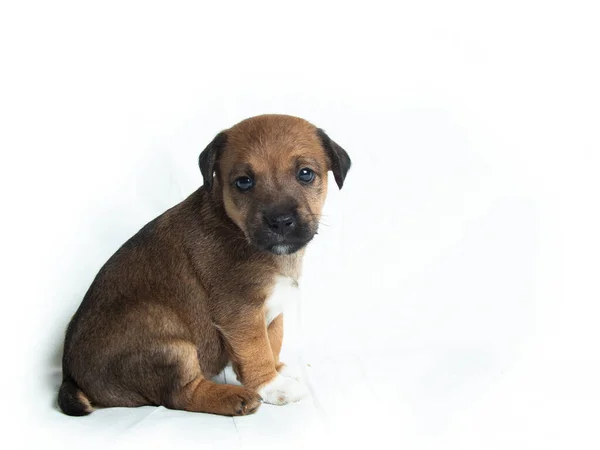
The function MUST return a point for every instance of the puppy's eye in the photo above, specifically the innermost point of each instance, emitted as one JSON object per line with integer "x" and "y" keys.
{"x": 306, "y": 175}
{"x": 244, "y": 183}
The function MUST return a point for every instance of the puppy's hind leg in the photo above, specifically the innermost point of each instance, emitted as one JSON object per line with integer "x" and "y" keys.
{"x": 192, "y": 392}
{"x": 201, "y": 395}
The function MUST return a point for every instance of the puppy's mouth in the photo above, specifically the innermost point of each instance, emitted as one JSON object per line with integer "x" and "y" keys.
{"x": 285, "y": 249}
{"x": 279, "y": 246}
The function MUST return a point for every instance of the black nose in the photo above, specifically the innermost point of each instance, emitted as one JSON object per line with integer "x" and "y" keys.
{"x": 280, "y": 223}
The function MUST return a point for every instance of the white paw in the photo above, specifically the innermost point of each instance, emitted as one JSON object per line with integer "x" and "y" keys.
{"x": 289, "y": 372}
{"x": 282, "y": 390}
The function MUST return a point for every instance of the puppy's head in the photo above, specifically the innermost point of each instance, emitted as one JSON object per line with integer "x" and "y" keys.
{"x": 271, "y": 173}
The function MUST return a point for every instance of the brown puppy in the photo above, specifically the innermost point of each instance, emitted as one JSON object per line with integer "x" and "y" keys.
{"x": 205, "y": 283}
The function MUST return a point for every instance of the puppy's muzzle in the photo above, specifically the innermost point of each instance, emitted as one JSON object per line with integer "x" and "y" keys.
{"x": 281, "y": 224}
{"x": 281, "y": 230}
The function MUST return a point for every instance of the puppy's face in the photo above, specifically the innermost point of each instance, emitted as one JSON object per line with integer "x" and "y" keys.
{"x": 272, "y": 172}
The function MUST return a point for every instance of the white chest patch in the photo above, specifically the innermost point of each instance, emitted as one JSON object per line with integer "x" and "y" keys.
{"x": 285, "y": 294}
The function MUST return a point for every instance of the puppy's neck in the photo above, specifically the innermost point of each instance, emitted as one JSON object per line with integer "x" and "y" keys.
{"x": 290, "y": 265}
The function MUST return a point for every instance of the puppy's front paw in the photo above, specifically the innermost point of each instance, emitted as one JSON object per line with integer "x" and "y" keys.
{"x": 282, "y": 390}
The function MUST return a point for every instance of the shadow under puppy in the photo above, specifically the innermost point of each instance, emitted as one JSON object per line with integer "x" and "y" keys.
{"x": 205, "y": 283}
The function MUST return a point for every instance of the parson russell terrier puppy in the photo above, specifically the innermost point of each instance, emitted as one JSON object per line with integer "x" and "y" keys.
{"x": 205, "y": 283}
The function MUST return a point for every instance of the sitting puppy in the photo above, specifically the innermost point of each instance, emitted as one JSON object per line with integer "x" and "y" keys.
{"x": 205, "y": 283}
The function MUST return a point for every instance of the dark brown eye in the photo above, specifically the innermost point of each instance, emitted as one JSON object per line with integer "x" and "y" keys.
{"x": 244, "y": 183}
{"x": 306, "y": 175}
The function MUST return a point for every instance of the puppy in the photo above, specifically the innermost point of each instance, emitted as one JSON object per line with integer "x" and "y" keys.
{"x": 205, "y": 283}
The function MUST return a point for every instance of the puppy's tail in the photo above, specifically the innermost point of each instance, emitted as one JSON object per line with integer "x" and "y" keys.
{"x": 72, "y": 400}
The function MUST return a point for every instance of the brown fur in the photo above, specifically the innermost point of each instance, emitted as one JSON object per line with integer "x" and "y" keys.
{"x": 185, "y": 295}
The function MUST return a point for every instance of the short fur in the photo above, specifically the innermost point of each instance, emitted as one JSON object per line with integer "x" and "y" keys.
{"x": 186, "y": 294}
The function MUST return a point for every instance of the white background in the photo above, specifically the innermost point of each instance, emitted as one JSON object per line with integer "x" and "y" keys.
{"x": 451, "y": 299}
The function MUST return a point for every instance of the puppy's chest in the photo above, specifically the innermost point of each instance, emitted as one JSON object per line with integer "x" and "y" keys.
{"x": 284, "y": 295}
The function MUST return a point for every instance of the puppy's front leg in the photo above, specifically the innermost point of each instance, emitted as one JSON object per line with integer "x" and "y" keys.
{"x": 275, "y": 332}
{"x": 253, "y": 361}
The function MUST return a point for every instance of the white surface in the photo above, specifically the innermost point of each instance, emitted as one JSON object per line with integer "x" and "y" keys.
{"x": 451, "y": 298}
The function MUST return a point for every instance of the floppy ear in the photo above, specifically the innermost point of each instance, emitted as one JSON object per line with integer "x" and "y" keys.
{"x": 209, "y": 158}
{"x": 339, "y": 159}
